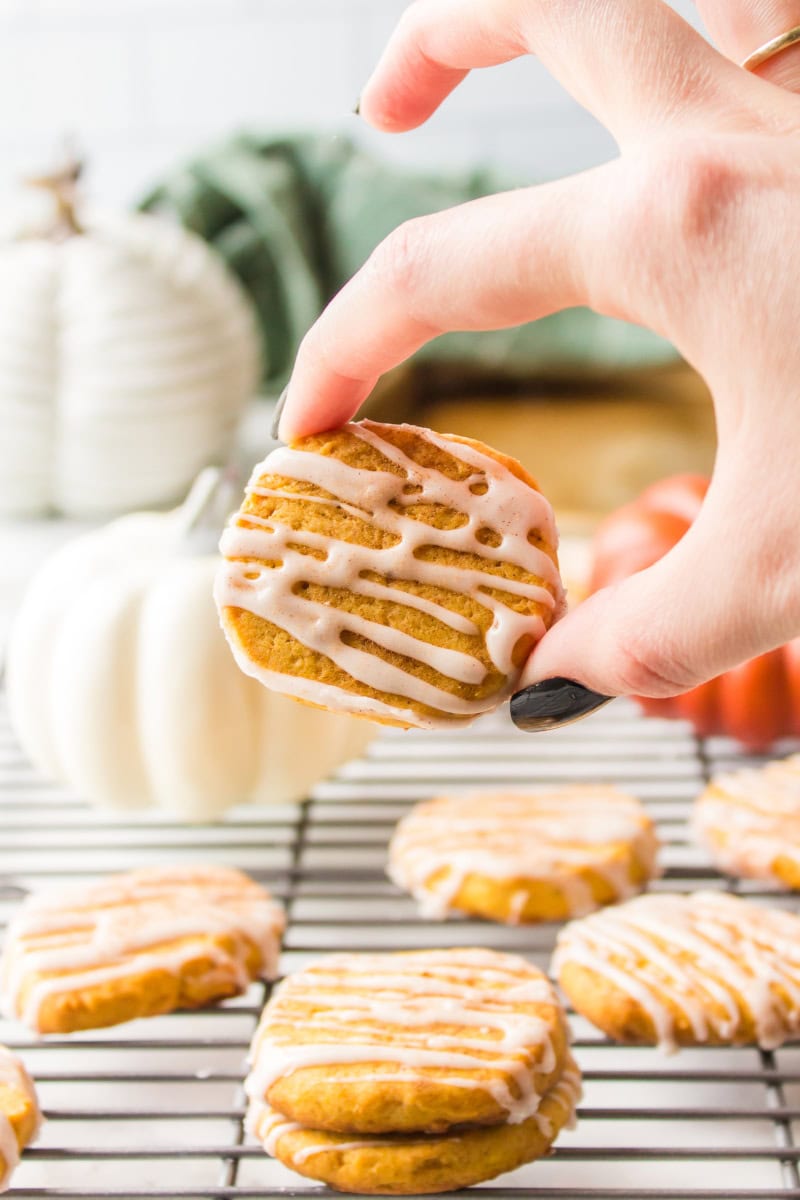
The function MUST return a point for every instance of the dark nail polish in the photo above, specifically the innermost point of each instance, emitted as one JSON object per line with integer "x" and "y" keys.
{"x": 357, "y": 109}
{"x": 276, "y": 416}
{"x": 553, "y": 702}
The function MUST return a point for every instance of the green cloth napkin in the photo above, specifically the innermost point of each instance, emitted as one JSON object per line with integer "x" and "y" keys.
{"x": 295, "y": 217}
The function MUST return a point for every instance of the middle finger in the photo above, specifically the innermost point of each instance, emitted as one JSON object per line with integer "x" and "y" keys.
{"x": 633, "y": 63}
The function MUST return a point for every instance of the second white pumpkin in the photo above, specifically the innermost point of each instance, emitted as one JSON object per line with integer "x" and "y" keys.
{"x": 121, "y": 684}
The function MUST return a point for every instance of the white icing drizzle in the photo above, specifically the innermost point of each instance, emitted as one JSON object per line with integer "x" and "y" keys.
{"x": 512, "y": 508}
{"x": 269, "y": 1126}
{"x": 14, "y": 1076}
{"x": 538, "y": 836}
{"x": 516, "y": 906}
{"x": 84, "y": 936}
{"x": 344, "y": 1004}
{"x": 750, "y": 818}
{"x": 300, "y": 1156}
{"x": 567, "y": 1094}
{"x": 694, "y": 951}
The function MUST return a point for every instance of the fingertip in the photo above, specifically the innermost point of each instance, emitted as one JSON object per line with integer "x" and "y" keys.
{"x": 278, "y": 413}
{"x": 288, "y": 424}
{"x": 402, "y": 93}
{"x": 576, "y": 649}
{"x": 373, "y": 109}
{"x": 297, "y": 420}
{"x": 640, "y": 637}
{"x": 304, "y": 415}
{"x": 285, "y": 432}
{"x": 393, "y": 109}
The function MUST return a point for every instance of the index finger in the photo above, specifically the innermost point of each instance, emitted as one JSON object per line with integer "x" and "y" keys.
{"x": 632, "y": 63}
{"x": 492, "y": 263}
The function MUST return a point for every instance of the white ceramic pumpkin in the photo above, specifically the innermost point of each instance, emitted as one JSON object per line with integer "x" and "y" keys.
{"x": 127, "y": 351}
{"x": 121, "y": 684}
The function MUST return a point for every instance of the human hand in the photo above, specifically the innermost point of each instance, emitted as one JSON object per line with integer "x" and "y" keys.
{"x": 690, "y": 232}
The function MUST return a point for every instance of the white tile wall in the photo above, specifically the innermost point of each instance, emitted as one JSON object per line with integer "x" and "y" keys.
{"x": 141, "y": 82}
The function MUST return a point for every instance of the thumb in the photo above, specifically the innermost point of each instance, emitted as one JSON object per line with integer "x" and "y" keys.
{"x": 644, "y": 636}
{"x": 695, "y": 613}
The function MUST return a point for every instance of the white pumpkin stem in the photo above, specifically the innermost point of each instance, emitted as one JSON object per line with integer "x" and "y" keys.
{"x": 62, "y": 184}
{"x": 201, "y": 516}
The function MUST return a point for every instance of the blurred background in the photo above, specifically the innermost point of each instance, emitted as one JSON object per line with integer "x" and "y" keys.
{"x": 142, "y": 83}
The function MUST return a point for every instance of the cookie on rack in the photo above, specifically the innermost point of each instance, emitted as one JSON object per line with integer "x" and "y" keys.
{"x": 20, "y": 1115}
{"x": 390, "y": 572}
{"x": 524, "y": 857}
{"x": 136, "y": 945}
{"x": 685, "y": 970}
{"x": 750, "y": 822}
{"x": 413, "y": 1164}
{"x": 411, "y": 1071}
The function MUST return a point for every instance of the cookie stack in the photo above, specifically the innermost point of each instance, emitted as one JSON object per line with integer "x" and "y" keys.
{"x": 411, "y": 1072}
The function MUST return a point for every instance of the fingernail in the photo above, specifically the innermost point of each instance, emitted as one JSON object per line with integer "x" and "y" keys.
{"x": 552, "y": 703}
{"x": 357, "y": 108}
{"x": 276, "y": 416}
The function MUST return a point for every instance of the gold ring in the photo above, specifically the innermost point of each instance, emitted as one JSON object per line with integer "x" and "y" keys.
{"x": 771, "y": 48}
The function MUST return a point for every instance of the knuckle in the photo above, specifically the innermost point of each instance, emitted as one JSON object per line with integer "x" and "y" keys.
{"x": 314, "y": 344}
{"x": 399, "y": 262}
{"x": 674, "y": 215}
{"x": 320, "y": 351}
{"x": 701, "y": 185}
{"x": 688, "y": 190}
{"x": 648, "y": 670}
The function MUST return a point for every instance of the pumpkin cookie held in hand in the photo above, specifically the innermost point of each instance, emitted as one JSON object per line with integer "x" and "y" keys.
{"x": 674, "y": 970}
{"x": 391, "y": 572}
{"x": 750, "y": 822}
{"x": 20, "y": 1116}
{"x": 411, "y": 1072}
{"x": 524, "y": 857}
{"x": 137, "y": 945}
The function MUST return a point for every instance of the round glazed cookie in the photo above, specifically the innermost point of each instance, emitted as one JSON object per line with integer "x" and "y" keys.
{"x": 20, "y": 1116}
{"x": 411, "y": 1165}
{"x": 136, "y": 945}
{"x": 517, "y": 857}
{"x": 701, "y": 969}
{"x": 390, "y": 572}
{"x": 750, "y": 822}
{"x": 403, "y": 1042}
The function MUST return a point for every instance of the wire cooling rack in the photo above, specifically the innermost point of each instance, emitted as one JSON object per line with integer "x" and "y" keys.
{"x": 155, "y": 1108}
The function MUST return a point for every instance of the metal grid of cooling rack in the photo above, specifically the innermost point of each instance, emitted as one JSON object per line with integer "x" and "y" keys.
{"x": 155, "y": 1108}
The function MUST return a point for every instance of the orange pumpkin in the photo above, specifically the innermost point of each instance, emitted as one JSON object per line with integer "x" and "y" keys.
{"x": 755, "y": 703}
